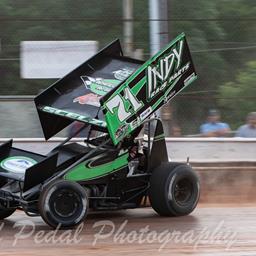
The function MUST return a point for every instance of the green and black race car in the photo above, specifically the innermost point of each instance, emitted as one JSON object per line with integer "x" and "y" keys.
{"x": 123, "y": 160}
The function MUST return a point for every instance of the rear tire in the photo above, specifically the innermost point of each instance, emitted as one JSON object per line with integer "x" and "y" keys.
{"x": 174, "y": 189}
{"x": 63, "y": 203}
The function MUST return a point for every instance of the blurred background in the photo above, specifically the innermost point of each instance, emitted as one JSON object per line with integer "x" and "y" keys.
{"x": 221, "y": 35}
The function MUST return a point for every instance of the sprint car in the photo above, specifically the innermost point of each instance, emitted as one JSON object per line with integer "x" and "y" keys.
{"x": 122, "y": 162}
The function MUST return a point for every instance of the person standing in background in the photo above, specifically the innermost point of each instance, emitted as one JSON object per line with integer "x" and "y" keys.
{"x": 248, "y": 130}
{"x": 213, "y": 127}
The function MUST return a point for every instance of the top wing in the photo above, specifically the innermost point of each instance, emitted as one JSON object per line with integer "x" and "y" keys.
{"x": 153, "y": 84}
{"x": 76, "y": 96}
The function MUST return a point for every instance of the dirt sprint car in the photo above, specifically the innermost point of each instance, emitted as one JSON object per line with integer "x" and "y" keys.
{"x": 123, "y": 159}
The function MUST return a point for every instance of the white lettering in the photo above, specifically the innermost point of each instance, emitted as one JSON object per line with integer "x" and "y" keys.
{"x": 117, "y": 102}
{"x": 163, "y": 71}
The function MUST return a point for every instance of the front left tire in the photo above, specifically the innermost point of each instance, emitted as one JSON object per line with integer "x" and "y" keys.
{"x": 63, "y": 204}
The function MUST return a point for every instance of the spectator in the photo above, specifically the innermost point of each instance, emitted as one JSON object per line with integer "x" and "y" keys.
{"x": 213, "y": 127}
{"x": 248, "y": 130}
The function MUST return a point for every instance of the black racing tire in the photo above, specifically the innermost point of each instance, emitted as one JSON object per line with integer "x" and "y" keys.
{"x": 5, "y": 213}
{"x": 63, "y": 204}
{"x": 174, "y": 189}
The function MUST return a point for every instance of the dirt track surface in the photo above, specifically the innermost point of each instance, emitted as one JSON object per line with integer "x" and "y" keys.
{"x": 207, "y": 231}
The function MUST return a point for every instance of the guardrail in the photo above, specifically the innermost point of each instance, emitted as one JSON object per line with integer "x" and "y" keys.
{"x": 197, "y": 149}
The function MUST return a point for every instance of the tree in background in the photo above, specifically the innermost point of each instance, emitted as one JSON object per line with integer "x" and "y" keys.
{"x": 237, "y": 19}
{"x": 237, "y": 98}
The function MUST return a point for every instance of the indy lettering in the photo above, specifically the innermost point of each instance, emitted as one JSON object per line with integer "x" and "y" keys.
{"x": 158, "y": 76}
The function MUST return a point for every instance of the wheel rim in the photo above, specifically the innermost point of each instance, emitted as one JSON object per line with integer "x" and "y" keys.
{"x": 65, "y": 203}
{"x": 183, "y": 191}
